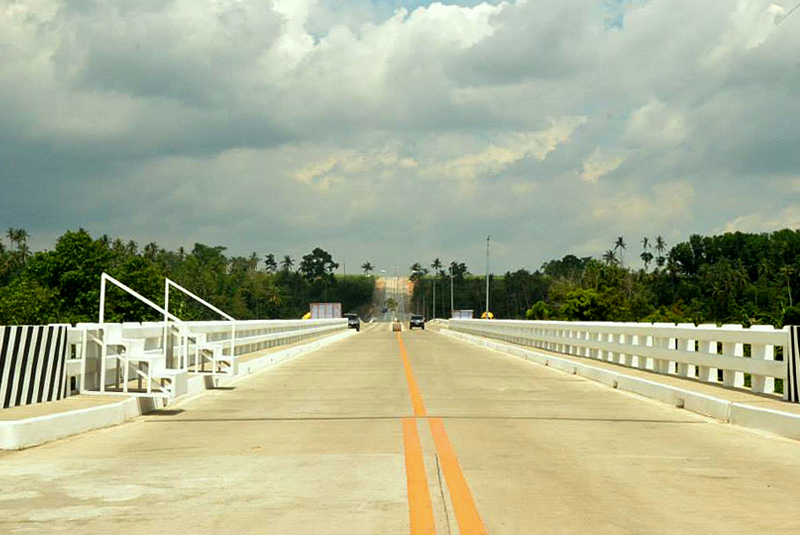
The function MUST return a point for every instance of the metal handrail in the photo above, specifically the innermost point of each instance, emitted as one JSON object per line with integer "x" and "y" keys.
{"x": 105, "y": 277}
{"x": 170, "y": 283}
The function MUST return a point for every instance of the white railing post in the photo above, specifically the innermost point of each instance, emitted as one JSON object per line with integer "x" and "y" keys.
{"x": 102, "y": 314}
{"x": 645, "y": 341}
{"x": 620, "y": 357}
{"x": 661, "y": 365}
{"x": 706, "y": 373}
{"x": 732, "y": 378}
{"x": 760, "y": 383}
{"x": 686, "y": 344}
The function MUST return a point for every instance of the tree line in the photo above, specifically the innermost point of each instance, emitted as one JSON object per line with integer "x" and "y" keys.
{"x": 63, "y": 285}
{"x": 733, "y": 278}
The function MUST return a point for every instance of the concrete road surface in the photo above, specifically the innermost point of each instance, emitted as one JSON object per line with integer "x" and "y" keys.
{"x": 418, "y": 434}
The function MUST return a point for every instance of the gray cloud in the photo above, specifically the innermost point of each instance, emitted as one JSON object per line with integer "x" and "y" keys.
{"x": 398, "y": 134}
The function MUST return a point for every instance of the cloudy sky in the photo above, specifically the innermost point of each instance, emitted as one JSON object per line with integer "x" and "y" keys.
{"x": 399, "y": 130}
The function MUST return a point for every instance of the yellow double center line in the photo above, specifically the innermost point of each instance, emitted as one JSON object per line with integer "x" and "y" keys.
{"x": 419, "y": 499}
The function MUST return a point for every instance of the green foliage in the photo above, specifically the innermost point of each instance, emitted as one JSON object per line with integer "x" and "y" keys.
{"x": 791, "y": 316}
{"x": 539, "y": 311}
{"x": 63, "y": 285}
{"x": 731, "y": 278}
{"x": 25, "y": 302}
{"x": 584, "y": 305}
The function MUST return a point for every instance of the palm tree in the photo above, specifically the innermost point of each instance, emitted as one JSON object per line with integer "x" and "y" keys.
{"x": 621, "y": 245}
{"x": 660, "y": 247}
{"x": 646, "y": 257}
{"x": 437, "y": 267}
{"x": 287, "y": 263}
{"x": 19, "y": 238}
{"x": 417, "y": 271}
{"x": 367, "y": 267}
{"x": 610, "y": 257}
{"x": 150, "y": 251}
{"x": 270, "y": 265}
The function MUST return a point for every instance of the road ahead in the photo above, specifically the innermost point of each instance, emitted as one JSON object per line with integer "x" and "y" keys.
{"x": 380, "y": 434}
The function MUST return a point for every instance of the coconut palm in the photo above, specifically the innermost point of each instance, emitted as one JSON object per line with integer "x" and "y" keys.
{"x": 610, "y": 257}
{"x": 660, "y": 247}
{"x": 367, "y": 267}
{"x": 646, "y": 257}
{"x": 437, "y": 268}
{"x": 19, "y": 239}
{"x": 270, "y": 265}
{"x": 621, "y": 246}
{"x": 287, "y": 263}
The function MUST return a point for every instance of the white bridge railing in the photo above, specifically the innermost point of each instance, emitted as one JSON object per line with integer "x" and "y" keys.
{"x": 729, "y": 355}
{"x": 155, "y": 359}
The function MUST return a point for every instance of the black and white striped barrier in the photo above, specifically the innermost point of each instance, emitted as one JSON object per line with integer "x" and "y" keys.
{"x": 32, "y": 364}
{"x": 793, "y": 366}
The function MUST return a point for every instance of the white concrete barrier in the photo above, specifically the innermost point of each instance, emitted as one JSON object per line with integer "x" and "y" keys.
{"x": 20, "y": 434}
{"x": 162, "y": 356}
{"x": 703, "y": 352}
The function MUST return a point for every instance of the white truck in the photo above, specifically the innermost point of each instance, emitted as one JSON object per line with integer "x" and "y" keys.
{"x": 322, "y": 311}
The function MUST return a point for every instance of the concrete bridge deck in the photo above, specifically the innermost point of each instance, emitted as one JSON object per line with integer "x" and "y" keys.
{"x": 372, "y": 435}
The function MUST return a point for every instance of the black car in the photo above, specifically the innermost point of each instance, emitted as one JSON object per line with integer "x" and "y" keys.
{"x": 353, "y": 321}
{"x": 416, "y": 321}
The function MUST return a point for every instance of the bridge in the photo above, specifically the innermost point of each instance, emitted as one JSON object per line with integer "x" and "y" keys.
{"x": 467, "y": 427}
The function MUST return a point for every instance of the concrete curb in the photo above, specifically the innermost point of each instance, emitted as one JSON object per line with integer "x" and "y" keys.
{"x": 780, "y": 423}
{"x": 21, "y": 434}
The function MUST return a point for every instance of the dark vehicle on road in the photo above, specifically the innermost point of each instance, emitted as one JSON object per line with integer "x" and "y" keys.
{"x": 353, "y": 321}
{"x": 416, "y": 321}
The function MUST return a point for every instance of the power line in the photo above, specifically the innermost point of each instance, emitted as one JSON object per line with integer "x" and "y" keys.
{"x": 787, "y": 15}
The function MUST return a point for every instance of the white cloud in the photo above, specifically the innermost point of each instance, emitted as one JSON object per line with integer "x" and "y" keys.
{"x": 317, "y": 119}
{"x": 750, "y": 26}
{"x": 666, "y": 204}
{"x": 789, "y": 217}
{"x": 508, "y": 150}
{"x": 598, "y": 165}
{"x": 656, "y": 125}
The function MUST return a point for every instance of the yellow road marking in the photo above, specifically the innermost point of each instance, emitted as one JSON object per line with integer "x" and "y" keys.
{"x": 469, "y": 521}
{"x": 467, "y": 516}
{"x": 413, "y": 389}
{"x": 420, "y": 510}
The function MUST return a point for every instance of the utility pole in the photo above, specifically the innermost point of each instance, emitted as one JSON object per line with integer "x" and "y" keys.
{"x": 451, "y": 289}
{"x": 487, "y": 275}
{"x": 434, "y": 294}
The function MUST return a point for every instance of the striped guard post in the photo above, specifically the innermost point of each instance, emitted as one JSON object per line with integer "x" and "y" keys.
{"x": 793, "y": 365}
{"x": 32, "y": 364}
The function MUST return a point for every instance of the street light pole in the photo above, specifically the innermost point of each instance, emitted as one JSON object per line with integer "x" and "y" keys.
{"x": 487, "y": 275}
{"x": 451, "y": 289}
{"x": 434, "y": 294}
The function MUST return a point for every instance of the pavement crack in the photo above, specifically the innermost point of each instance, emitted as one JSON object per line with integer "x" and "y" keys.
{"x": 441, "y": 493}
